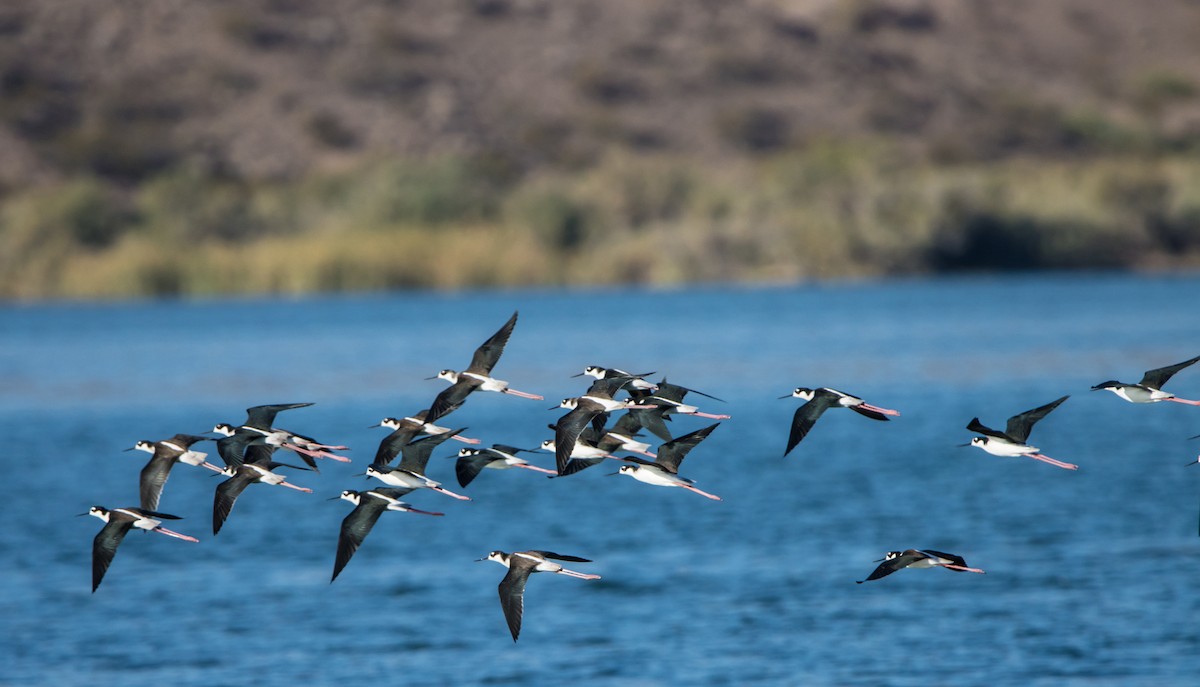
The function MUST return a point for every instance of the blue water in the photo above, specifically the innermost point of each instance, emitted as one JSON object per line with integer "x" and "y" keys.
{"x": 1090, "y": 574}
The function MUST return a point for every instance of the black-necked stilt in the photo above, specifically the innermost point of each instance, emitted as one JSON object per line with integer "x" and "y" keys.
{"x": 405, "y": 429}
{"x": 664, "y": 471}
{"x": 259, "y": 420}
{"x": 588, "y": 409}
{"x": 477, "y": 376}
{"x": 912, "y": 558}
{"x": 164, "y": 455}
{"x": 118, "y": 522}
{"x": 636, "y": 381}
{"x": 243, "y": 476}
{"x": 1011, "y": 442}
{"x": 520, "y": 565}
{"x": 368, "y": 506}
{"x": 1149, "y": 390}
{"x": 499, "y": 457}
{"x": 410, "y": 473}
{"x": 669, "y": 397}
{"x": 820, "y": 400}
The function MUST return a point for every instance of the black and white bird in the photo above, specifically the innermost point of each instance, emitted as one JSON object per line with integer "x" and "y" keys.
{"x": 588, "y": 409}
{"x": 414, "y": 459}
{"x": 1012, "y": 441}
{"x": 472, "y": 461}
{"x": 242, "y": 476}
{"x": 664, "y": 471}
{"x": 117, "y": 523}
{"x": 259, "y": 421}
{"x": 817, "y": 401}
{"x": 669, "y": 398}
{"x": 368, "y": 506}
{"x": 520, "y": 565}
{"x": 477, "y": 376}
{"x": 1149, "y": 390}
{"x": 636, "y": 381}
{"x": 164, "y": 455}
{"x": 405, "y": 429}
{"x": 913, "y": 558}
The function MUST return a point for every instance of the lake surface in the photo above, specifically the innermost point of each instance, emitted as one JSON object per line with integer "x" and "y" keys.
{"x": 1091, "y": 575}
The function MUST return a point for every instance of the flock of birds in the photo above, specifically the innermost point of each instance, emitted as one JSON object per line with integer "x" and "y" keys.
{"x": 582, "y": 439}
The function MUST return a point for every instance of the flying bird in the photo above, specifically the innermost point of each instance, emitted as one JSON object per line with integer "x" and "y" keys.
{"x": 471, "y": 461}
{"x": 664, "y": 471}
{"x": 1012, "y": 441}
{"x": 1149, "y": 390}
{"x": 913, "y": 558}
{"x": 164, "y": 455}
{"x": 117, "y": 523}
{"x": 817, "y": 401}
{"x": 477, "y": 376}
{"x": 520, "y": 565}
{"x": 368, "y": 506}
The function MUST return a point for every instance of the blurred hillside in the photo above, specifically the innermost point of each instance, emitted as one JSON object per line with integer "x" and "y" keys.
{"x": 171, "y": 146}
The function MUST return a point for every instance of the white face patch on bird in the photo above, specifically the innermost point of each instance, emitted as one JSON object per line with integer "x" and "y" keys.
{"x": 224, "y": 428}
{"x": 390, "y": 423}
{"x": 803, "y": 393}
{"x": 99, "y": 512}
{"x": 144, "y": 445}
{"x": 467, "y": 452}
{"x": 351, "y": 496}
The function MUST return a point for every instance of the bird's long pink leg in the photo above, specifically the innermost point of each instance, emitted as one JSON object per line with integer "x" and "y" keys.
{"x": 316, "y": 453}
{"x": 527, "y": 466}
{"x": 210, "y": 466}
{"x": 524, "y": 394}
{"x": 1056, "y": 463}
{"x": 410, "y": 509}
{"x": 465, "y": 440}
{"x": 289, "y": 485}
{"x": 881, "y": 411}
{"x": 644, "y": 453}
{"x": 172, "y": 533}
{"x": 1183, "y": 400}
{"x": 710, "y": 416}
{"x": 582, "y": 576}
{"x": 962, "y": 568}
{"x": 702, "y": 493}
{"x": 447, "y": 492}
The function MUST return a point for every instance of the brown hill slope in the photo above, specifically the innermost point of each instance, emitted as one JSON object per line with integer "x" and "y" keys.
{"x": 277, "y": 88}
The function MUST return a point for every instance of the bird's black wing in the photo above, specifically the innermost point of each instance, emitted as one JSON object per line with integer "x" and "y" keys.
{"x": 153, "y": 477}
{"x": 652, "y": 420}
{"x": 467, "y": 468}
{"x": 104, "y": 547}
{"x": 888, "y": 567}
{"x": 1156, "y": 378}
{"x": 562, "y": 557}
{"x": 675, "y": 392}
{"x": 487, "y": 354}
{"x": 226, "y": 494}
{"x": 261, "y": 417}
{"x": 804, "y": 419}
{"x": 672, "y": 453}
{"x": 512, "y": 593}
{"x": 979, "y": 428}
{"x": 355, "y": 528}
{"x": 1019, "y": 425}
{"x": 390, "y": 446}
{"x": 415, "y": 454}
{"x": 953, "y": 558}
{"x": 566, "y": 433}
{"x": 451, "y": 398}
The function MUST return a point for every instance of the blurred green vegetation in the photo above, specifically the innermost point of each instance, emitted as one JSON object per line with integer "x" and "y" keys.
{"x": 831, "y": 209}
